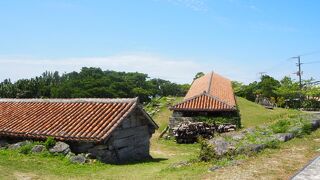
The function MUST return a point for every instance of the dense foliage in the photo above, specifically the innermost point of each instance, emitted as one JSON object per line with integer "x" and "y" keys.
{"x": 283, "y": 93}
{"x": 91, "y": 83}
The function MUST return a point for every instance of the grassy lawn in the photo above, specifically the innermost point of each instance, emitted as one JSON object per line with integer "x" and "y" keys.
{"x": 253, "y": 114}
{"x": 14, "y": 165}
{"x": 271, "y": 164}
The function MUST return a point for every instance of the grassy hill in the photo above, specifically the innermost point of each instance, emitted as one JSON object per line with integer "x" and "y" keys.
{"x": 168, "y": 155}
{"x": 253, "y": 114}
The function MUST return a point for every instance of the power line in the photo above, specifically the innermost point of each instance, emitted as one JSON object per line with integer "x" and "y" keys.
{"x": 299, "y": 63}
{"x": 299, "y": 73}
{"x": 310, "y": 53}
{"x": 312, "y": 62}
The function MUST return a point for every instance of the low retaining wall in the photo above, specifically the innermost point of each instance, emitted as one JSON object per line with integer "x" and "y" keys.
{"x": 249, "y": 141}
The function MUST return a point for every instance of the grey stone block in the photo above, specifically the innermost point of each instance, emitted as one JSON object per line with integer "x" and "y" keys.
{"x": 284, "y": 137}
{"x": 38, "y": 149}
{"x": 315, "y": 124}
{"x": 78, "y": 159}
{"x": 18, "y": 145}
{"x": 60, "y": 147}
{"x": 221, "y": 147}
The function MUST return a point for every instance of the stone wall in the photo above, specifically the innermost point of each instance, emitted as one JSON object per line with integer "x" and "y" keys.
{"x": 129, "y": 142}
{"x": 176, "y": 119}
{"x": 180, "y": 117}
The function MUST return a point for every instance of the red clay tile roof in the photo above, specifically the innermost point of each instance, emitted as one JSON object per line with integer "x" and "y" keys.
{"x": 64, "y": 119}
{"x": 210, "y": 92}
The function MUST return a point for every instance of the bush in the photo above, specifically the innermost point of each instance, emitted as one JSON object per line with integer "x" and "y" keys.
{"x": 306, "y": 128}
{"x": 26, "y": 149}
{"x": 206, "y": 152}
{"x": 273, "y": 144}
{"x": 49, "y": 143}
{"x": 311, "y": 103}
{"x": 281, "y": 126}
{"x": 236, "y": 120}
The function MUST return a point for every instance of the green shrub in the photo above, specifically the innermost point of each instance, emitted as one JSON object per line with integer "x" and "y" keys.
{"x": 236, "y": 120}
{"x": 50, "y": 142}
{"x": 306, "y": 128}
{"x": 206, "y": 151}
{"x": 273, "y": 144}
{"x": 281, "y": 126}
{"x": 26, "y": 149}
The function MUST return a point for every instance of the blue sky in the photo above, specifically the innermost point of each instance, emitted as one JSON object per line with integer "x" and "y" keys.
{"x": 170, "y": 39}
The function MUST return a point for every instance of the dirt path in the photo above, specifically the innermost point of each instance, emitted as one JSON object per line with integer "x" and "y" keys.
{"x": 311, "y": 171}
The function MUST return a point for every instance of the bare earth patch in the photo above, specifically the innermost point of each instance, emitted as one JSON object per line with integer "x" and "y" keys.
{"x": 25, "y": 176}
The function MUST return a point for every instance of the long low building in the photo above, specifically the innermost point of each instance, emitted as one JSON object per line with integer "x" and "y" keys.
{"x": 210, "y": 95}
{"x": 113, "y": 130}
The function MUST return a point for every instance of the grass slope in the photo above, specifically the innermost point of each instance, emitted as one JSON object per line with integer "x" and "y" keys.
{"x": 14, "y": 165}
{"x": 253, "y": 114}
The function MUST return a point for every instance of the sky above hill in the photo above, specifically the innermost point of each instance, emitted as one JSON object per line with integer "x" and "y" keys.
{"x": 169, "y": 39}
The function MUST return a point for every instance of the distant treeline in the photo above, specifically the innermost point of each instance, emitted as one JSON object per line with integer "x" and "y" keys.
{"x": 283, "y": 93}
{"x": 91, "y": 83}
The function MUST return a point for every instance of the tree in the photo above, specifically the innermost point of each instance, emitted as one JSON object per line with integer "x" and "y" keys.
{"x": 198, "y": 75}
{"x": 91, "y": 83}
{"x": 267, "y": 86}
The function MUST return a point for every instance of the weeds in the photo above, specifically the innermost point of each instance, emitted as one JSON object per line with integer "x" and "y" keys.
{"x": 282, "y": 126}
{"x": 49, "y": 143}
{"x": 26, "y": 149}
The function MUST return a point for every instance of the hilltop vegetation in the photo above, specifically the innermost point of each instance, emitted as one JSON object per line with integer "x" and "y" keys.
{"x": 91, "y": 83}
{"x": 283, "y": 93}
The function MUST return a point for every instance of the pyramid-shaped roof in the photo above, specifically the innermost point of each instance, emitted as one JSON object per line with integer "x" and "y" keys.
{"x": 210, "y": 92}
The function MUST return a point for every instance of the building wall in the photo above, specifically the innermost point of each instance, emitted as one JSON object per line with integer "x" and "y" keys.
{"x": 176, "y": 119}
{"x": 130, "y": 141}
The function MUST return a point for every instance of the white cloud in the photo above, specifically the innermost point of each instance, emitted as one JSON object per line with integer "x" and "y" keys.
{"x": 176, "y": 70}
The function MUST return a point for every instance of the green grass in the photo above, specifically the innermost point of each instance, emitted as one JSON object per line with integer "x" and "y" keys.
{"x": 162, "y": 117}
{"x": 253, "y": 114}
{"x": 14, "y": 165}
{"x": 46, "y": 166}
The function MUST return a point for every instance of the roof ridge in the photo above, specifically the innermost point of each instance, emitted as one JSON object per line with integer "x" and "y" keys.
{"x": 72, "y": 100}
{"x": 210, "y": 81}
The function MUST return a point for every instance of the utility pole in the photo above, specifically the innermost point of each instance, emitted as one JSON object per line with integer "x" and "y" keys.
{"x": 299, "y": 73}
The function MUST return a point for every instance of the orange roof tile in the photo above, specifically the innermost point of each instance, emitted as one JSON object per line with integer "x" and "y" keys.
{"x": 64, "y": 119}
{"x": 210, "y": 92}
